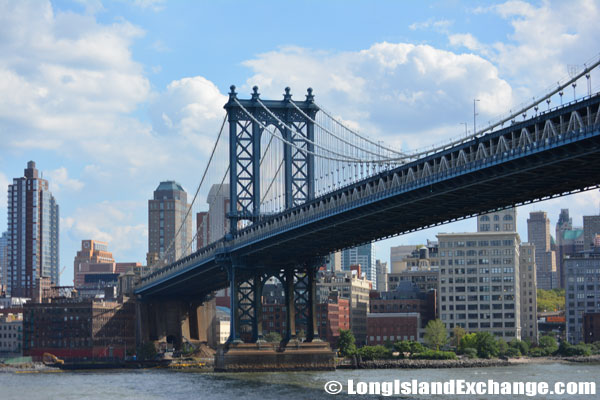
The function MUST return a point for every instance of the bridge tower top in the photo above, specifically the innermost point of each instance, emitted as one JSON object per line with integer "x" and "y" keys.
{"x": 248, "y": 120}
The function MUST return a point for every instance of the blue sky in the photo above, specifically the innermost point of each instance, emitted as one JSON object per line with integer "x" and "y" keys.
{"x": 111, "y": 97}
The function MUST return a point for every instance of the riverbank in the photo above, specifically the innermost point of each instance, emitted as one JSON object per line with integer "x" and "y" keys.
{"x": 463, "y": 363}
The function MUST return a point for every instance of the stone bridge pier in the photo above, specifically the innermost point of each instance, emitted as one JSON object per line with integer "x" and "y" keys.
{"x": 169, "y": 323}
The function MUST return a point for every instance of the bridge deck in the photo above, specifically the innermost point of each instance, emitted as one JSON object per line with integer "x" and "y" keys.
{"x": 526, "y": 162}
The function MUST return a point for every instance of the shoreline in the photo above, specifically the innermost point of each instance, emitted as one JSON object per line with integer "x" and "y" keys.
{"x": 466, "y": 362}
{"x": 340, "y": 364}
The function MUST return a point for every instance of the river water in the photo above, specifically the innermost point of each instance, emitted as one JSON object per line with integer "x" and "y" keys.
{"x": 155, "y": 384}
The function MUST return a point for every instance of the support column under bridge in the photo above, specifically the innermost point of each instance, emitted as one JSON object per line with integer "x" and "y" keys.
{"x": 300, "y": 348}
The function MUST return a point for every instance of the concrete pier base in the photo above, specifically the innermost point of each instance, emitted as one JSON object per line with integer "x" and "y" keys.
{"x": 293, "y": 356}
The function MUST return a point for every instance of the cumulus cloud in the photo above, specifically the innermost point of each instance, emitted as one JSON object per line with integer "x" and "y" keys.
{"x": 191, "y": 108}
{"x": 395, "y": 91}
{"x": 65, "y": 79}
{"x": 59, "y": 180}
{"x": 112, "y": 222}
{"x": 545, "y": 39}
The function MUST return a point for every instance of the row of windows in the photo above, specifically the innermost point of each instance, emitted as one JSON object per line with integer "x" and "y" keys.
{"x": 472, "y": 271}
{"x": 480, "y": 243}
{"x": 475, "y": 307}
{"x": 507, "y": 217}
{"x": 480, "y": 316}
{"x": 483, "y": 297}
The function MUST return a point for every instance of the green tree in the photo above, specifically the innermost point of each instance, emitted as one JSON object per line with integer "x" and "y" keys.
{"x": 435, "y": 334}
{"x": 468, "y": 341}
{"x": 457, "y": 334}
{"x": 502, "y": 347}
{"x": 520, "y": 346}
{"x": 273, "y": 337}
{"x": 548, "y": 344}
{"x": 487, "y": 346}
{"x": 346, "y": 343}
{"x": 550, "y": 300}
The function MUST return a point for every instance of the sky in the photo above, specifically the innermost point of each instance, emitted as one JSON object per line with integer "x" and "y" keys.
{"x": 111, "y": 97}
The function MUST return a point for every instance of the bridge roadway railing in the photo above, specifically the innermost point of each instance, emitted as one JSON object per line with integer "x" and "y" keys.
{"x": 565, "y": 124}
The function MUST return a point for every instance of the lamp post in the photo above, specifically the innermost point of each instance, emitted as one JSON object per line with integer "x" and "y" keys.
{"x": 474, "y": 116}
{"x": 465, "y": 124}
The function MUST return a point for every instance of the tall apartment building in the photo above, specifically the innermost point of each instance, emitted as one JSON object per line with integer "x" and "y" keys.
{"x": 3, "y": 260}
{"x": 591, "y": 227}
{"x": 363, "y": 255}
{"x": 356, "y": 290}
{"x": 498, "y": 221}
{"x": 213, "y": 224}
{"x": 334, "y": 262}
{"x": 538, "y": 234}
{"x": 33, "y": 225}
{"x": 382, "y": 273}
{"x": 582, "y": 292}
{"x": 528, "y": 283}
{"x": 92, "y": 253}
{"x": 166, "y": 213}
{"x": 569, "y": 242}
{"x": 479, "y": 282}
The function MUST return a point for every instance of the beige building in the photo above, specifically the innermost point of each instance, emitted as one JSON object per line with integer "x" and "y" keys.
{"x": 425, "y": 278}
{"x": 166, "y": 213}
{"x": 479, "y": 282}
{"x": 93, "y": 258}
{"x": 11, "y": 334}
{"x": 538, "y": 234}
{"x": 213, "y": 224}
{"x": 499, "y": 221}
{"x": 527, "y": 273}
{"x": 352, "y": 287}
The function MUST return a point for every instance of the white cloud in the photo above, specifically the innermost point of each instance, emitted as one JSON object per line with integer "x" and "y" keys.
{"x": 66, "y": 80}
{"x": 112, "y": 222}
{"x": 191, "y": 108}
{"x": 59, "y": 180}
{"x": 395, "y": 91}
{"x": 545, "y": 38}
{"x": 154, "y": 5}
{"x": 4, "y": 182}
{"x": 468, "y": 41}
{"x": 437, "y": 25}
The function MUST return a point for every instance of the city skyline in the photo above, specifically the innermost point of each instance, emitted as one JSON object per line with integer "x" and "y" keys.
{"x": 107, "y": 129}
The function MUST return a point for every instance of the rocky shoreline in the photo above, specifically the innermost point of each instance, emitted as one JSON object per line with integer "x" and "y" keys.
{"x": 462, "y": 363}
{"x": 419, "y": 364}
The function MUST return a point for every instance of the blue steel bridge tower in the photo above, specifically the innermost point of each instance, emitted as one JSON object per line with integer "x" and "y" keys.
{"x": 248, "y": 120}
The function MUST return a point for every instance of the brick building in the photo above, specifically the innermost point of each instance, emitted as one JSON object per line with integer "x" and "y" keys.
{"x": 406, "y": 298}
{"x": 77, "y": 329}
{"x": 383, "y": 328}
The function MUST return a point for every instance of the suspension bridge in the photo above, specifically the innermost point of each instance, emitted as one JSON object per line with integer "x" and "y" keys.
{"x": 302, "y": 184}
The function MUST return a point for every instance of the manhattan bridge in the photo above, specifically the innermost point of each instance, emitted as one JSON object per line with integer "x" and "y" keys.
{"x": 302, "y": 184}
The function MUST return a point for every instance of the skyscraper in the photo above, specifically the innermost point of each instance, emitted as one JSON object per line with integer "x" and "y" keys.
{"x": 569, "y": 242}
{"x": 363, "y": 255}
{"x": 3, "y": 260}
{"x": 33, "y": 227}
{"x": 591, "y": 227}
{"x": 538, "y": 234}
{"x": 214, "y": 224}
{"x": 166, "y": 213}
